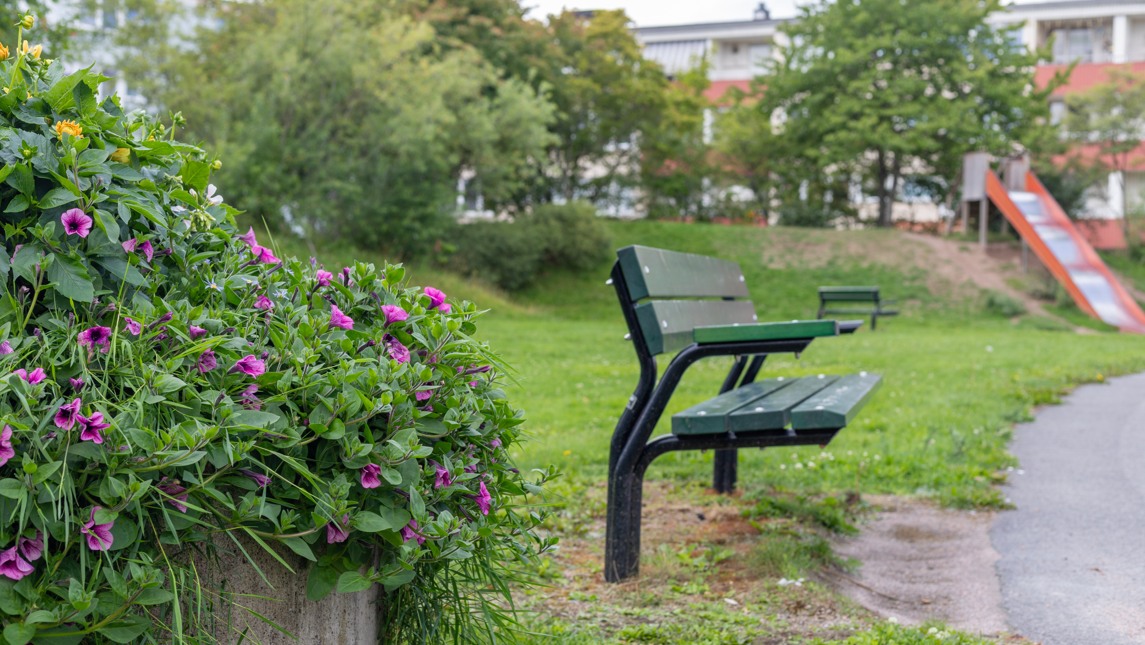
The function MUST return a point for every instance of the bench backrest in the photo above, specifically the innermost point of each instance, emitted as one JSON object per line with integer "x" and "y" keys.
{"x": 849, "y": 294}
{"x": 672, "y": 293}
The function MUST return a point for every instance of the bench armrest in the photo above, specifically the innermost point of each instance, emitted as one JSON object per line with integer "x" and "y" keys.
{"x": 765, "y": 331}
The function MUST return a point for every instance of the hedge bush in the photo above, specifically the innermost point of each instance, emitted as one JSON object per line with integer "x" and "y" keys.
{"x": 167, "y": 382}
{"x": 513, "y": 254}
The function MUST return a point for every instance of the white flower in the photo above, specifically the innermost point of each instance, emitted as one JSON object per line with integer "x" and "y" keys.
{"x": 212, "y": 198}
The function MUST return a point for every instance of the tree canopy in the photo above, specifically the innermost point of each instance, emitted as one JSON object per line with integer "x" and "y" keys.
{"x": 884, "y": 89}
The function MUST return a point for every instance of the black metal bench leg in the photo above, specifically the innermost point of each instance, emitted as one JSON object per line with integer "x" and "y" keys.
{"x": 874, "y": 321}
{"x": 725, "y": 466}
{"x": 622, "y": 535}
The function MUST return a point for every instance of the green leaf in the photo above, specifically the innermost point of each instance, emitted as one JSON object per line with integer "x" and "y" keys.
{"x": 57, "y": 197}
{"x": 391, "y": 582}
{"x": 320, "y": 583}
{"x": 12, "y": 489}
{"x": 10, "y": 602}
{"x": 71, "y": 279}
{"x": 125, "y": 630}
{"x": 166, "y": 383}
{"x": 252, "y": 418}
{"x": 195, "y": 174}
{"x": 60, "y": 96}
{"x": 392, "y": 476}
{"x": 115, "y": 581}
{"x": 154, "y": 596}
{"x": 46, "y": 471}
{"x": 25, "y": 261}
{"x": 19, "y": 204}
{"x": 22, "y": 180}
{"x": 19, "y": 634}
{"x": 388, "y": 519}
{"x": 299, "y": 546}
{"x": 352, "y": 581}
{"x": 119, "y": 268}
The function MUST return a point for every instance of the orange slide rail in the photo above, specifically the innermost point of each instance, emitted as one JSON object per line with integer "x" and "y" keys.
{"x": 1001, "y": 199}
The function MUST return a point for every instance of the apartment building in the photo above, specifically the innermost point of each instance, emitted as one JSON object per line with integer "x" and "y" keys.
{"x": 1094, "y": 35}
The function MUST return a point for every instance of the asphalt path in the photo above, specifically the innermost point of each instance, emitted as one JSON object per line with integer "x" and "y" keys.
{"x": 1072, "y": 566}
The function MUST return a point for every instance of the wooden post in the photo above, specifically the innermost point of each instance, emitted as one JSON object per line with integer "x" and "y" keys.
{"x": 965, "y": 217}
{"x": 983, "y": 208}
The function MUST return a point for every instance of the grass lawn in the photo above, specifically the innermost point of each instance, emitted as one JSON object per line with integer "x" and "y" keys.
{"x": 956, "y": 378}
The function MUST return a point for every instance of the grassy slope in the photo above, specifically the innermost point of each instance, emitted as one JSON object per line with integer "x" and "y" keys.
{"x": 955, "y": 380}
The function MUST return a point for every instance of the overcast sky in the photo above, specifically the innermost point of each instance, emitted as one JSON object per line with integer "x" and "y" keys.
{"x": 673, "y": 12}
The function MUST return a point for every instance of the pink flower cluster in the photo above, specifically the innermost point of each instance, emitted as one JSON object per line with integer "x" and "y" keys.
{"x": 16, "y": 562}
{"x": 261, "y": 253}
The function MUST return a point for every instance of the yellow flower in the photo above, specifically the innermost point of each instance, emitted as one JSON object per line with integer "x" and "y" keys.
{"x": 121, "y": 155}
{"x": 68, "y": 127}
{"x": 36, "y": 51}
{"x": 28, "y": 21}
{"x": 218, "y": 163}
{"x": 3, "y": 52}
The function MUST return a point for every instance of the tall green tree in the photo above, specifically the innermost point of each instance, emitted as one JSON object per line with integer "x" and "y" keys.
{"x": 607, "y": 95}
{"x": 891, "y": 88}
{"x": 677, "y": 168}
{"x": 351, "y": 120}
{"x": 1111, "y": 117}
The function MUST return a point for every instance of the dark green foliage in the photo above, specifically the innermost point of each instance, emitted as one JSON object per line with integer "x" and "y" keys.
{"x": 512, "y": 254}
{"x": 807, "y": 215}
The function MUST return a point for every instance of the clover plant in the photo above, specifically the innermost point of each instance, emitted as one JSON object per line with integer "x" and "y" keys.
{"x": 167, "y": 382}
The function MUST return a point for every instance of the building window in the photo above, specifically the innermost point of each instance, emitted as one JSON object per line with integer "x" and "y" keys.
{"x": 1057, "y": 112}
{"x": 760, "y": 56}
{"x": 1082, "y": 44}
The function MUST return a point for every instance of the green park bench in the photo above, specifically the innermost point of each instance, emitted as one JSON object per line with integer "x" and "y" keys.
{"x": 863, "y": 300}
{"x": 697, "y": 306}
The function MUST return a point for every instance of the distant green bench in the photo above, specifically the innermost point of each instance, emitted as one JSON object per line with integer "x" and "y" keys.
{"x": 697, "y": 306}
{"x": 855, "y": 296}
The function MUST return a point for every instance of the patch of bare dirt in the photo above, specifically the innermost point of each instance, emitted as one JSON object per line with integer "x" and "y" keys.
{"x": 920, "y": 562}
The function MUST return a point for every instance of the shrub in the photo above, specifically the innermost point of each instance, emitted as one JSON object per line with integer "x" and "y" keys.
{"x": 806, "y": 215}
{"x": 1002, "y": 305}
{"x": 512, "y": 254}
{"x": 166, "y": 381}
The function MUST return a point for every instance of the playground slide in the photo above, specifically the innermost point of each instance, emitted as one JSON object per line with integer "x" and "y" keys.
{"x": 1042, "y": 223}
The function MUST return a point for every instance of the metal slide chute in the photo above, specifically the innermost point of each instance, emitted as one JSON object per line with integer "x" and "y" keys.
{"x": 1042, "y": 223}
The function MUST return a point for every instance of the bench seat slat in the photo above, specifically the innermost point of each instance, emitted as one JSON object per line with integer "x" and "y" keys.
{"x": 766, "y": 331}
{"x": 853, "y": 294}
{"x": 837, "y": 405}
{"x": 656, "y": 273}
{"x": 710, "y": 417}
{"x": 761, "y": 414}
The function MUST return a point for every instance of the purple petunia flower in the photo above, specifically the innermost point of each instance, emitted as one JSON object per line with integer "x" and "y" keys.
{"x": 177, "y": 493}
{"x": 65, "y": 418}
{"x": 324, "y": 278}
{"x": 436, "y": 297}
{"x": 98, "y": 536}
{"x": 394, "y": 313}
{"x": 249, "y": 365}
{"x": 339, "y": 319}
{"x": 396, "y": 349}
{"x": 207, "y": 361}
{"x": 483, "y": 498}
{"x": 496, "y": 443}
{"x": 264, "y": 255}
{"x": 442, "y": 478}
{"x": 422, "y": 395}
{"x": 6, "y": 348}
{"x": 35, "y": 376}
{"x": 346, "y": 276}
{"x": 31, "y": 548}
{"x": 338, "y": 531}
{"x": 260, "y": 480}
{"x": 263, "y": 303}
{"x": 147, "y": 250}
{"x": 249, "y": 400}
{"x": 6, "y": 449}
{"x": 76, "y": 383}
{"x": 96, "y": 337}
{"x": 92, "y": 427}
{"x": 370, "y": 476}
{"x": 133, "y": 327}
{"x": 248, "y": 238}
{"x": 409, "y": 532}
{"x": 129, "y": 245}
{"x": 196, "y": 332}
{"x": 12, "y": 566}
{"x": 76, "y": 222}
{"x": 445, "y": 307}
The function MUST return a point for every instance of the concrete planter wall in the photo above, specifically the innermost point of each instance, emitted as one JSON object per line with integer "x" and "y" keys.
{"x": 339, "y": 619}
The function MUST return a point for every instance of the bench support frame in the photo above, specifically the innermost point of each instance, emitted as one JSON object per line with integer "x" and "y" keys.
{"x": 631, "y": 452}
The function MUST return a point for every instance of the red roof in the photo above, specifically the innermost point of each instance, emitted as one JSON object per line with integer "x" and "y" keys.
{"x": 1102, "y": 234}
{"x": 1090, "y": 154}
{"x": 1084, "y": 76}
{"x": 717, "y": 89}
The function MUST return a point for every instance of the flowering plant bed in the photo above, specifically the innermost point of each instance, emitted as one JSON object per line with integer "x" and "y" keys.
{"x": 167, "y": 383}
